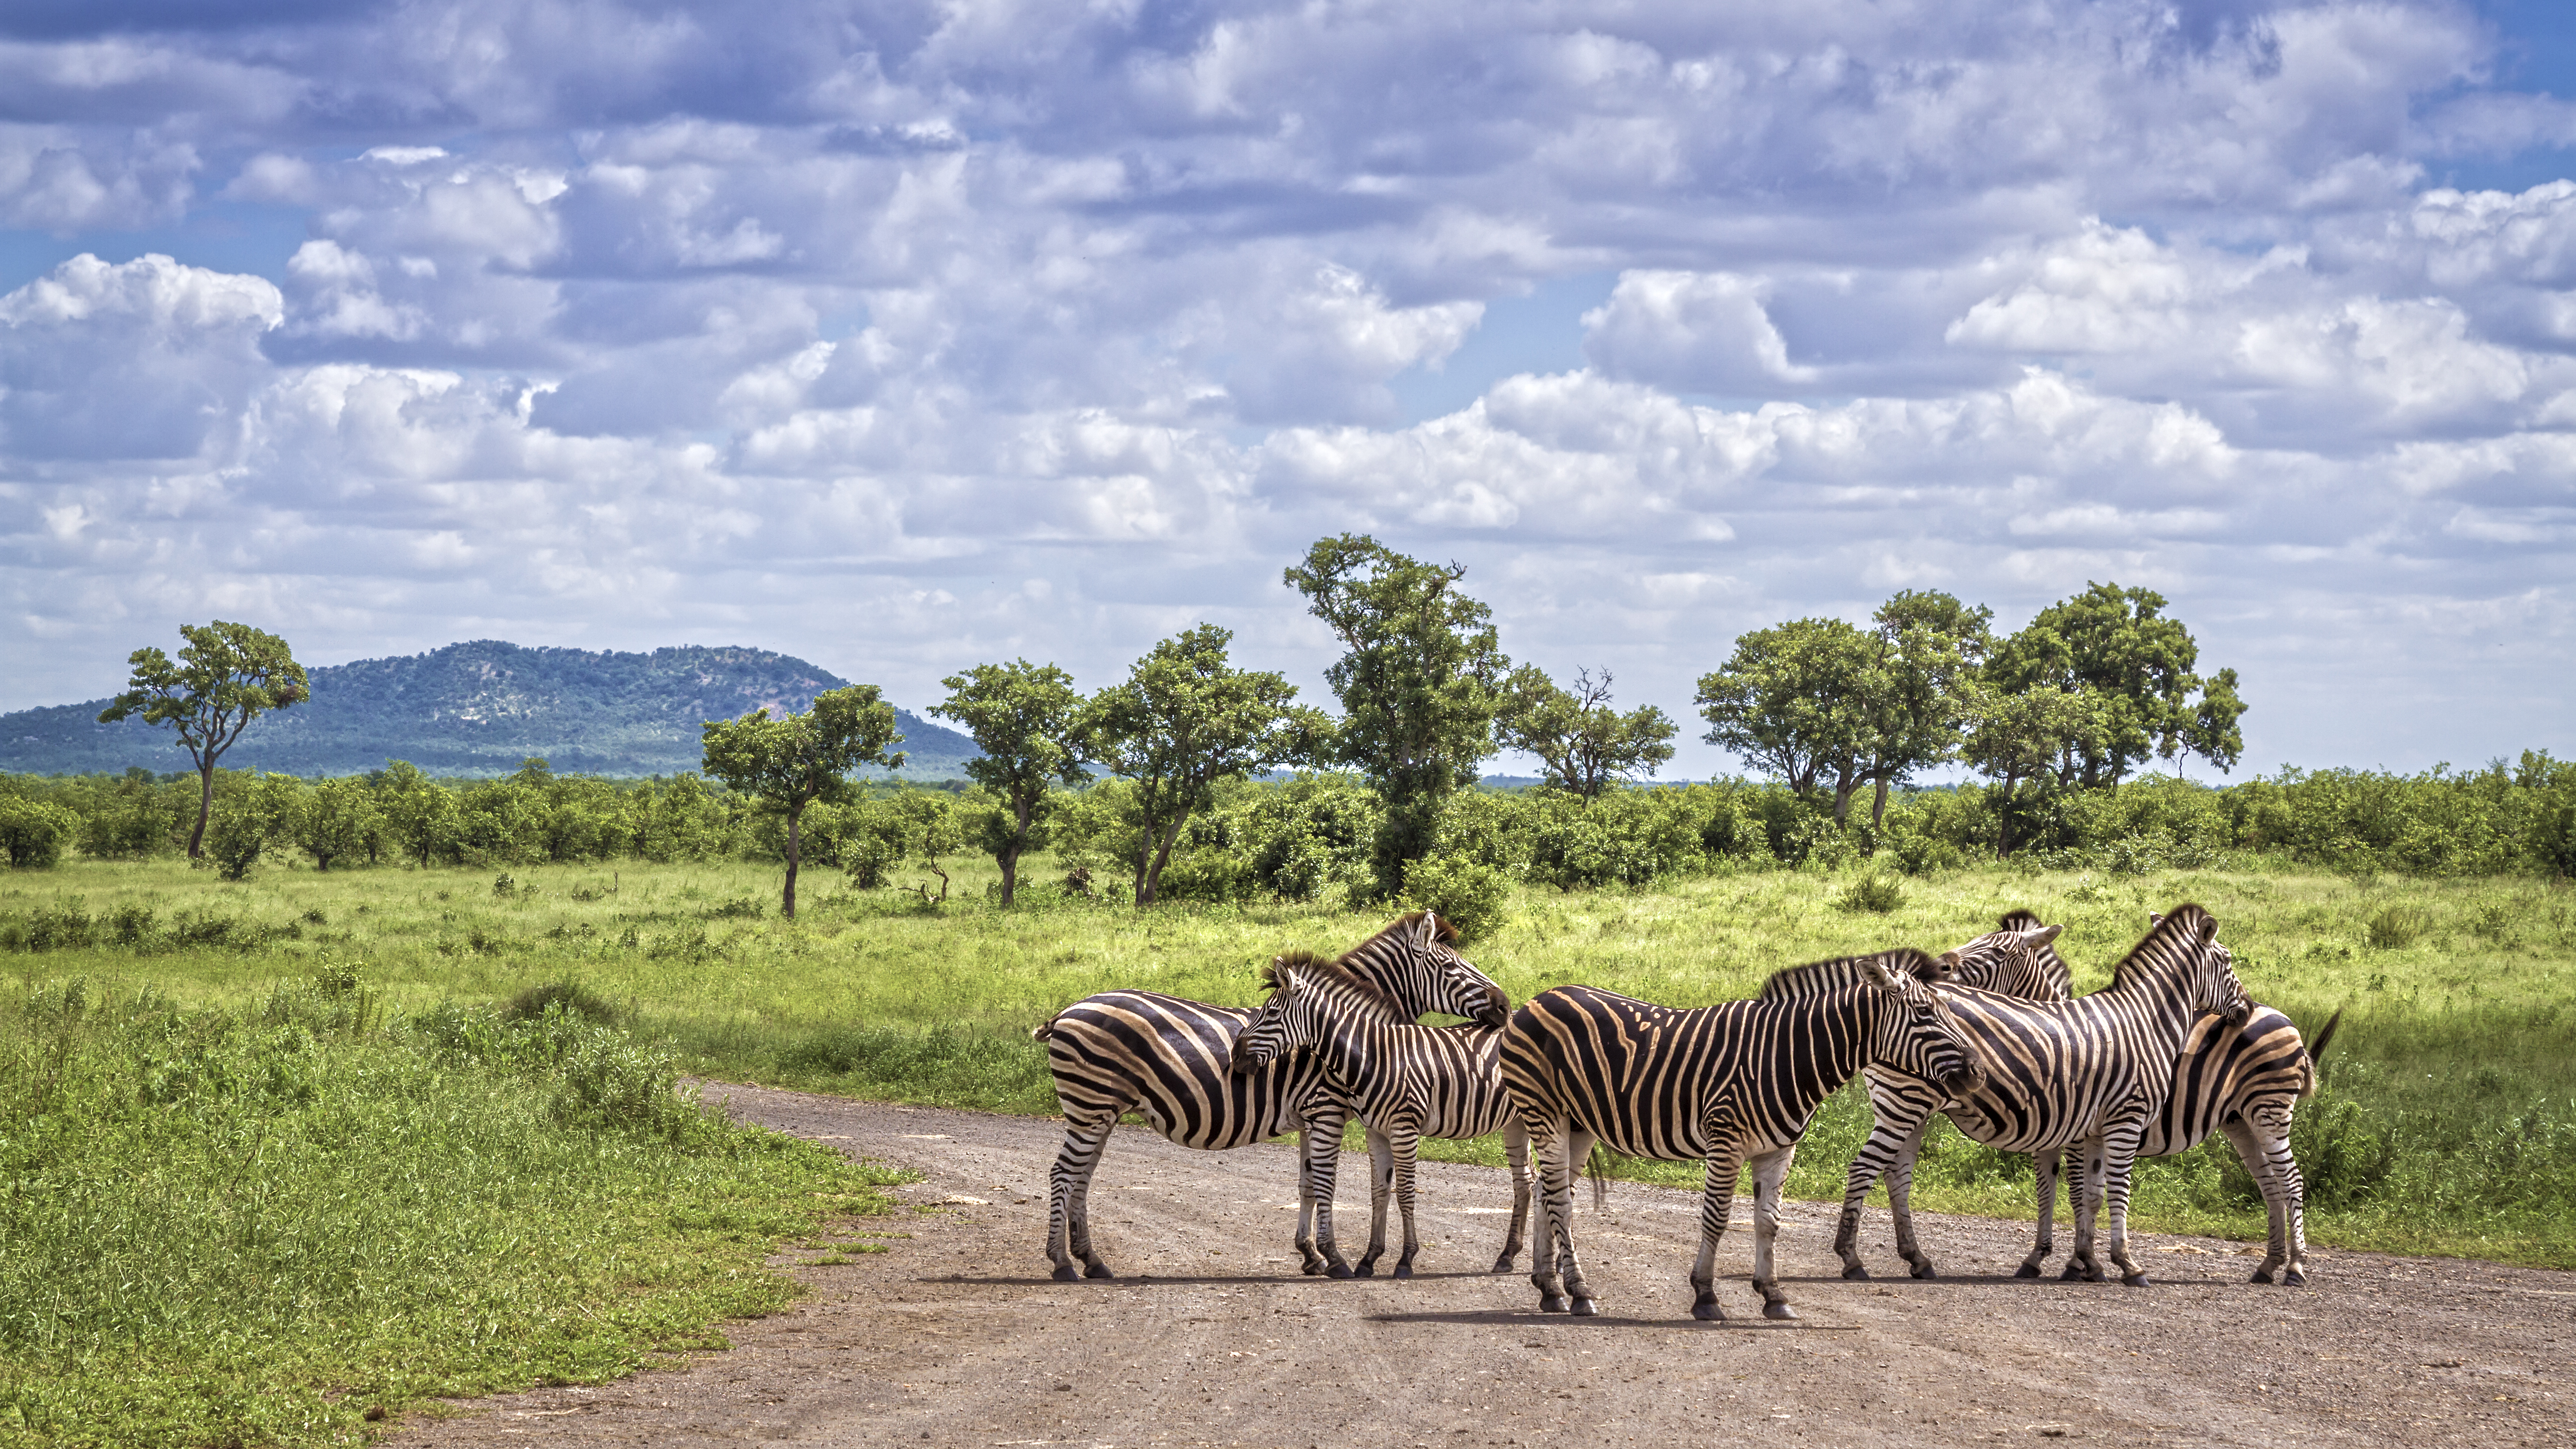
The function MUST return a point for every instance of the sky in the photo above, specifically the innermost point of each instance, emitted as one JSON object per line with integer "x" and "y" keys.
{"x": 903, "y": 337}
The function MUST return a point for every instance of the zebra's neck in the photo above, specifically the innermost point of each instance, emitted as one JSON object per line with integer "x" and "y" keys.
{"x": 1825, "y": 1040}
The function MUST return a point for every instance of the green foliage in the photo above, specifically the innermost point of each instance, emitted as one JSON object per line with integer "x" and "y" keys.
{"x": 34, "y": 833}
{"x": 1472, "y": 897}
{"x": 1026, "y": 719}
{"x": 1585, "y": 746}
{"x": 252, "y": 818}
{"x": 2394, "y": 928}
{"x": 1182, "y": 722}
{"x": 1795, "y": 701}
{"x": 227, "y": 675}
{"x": 1872, "y": 895}
{"x": 1417, "y": 682}
{"x": 789, "y": 763}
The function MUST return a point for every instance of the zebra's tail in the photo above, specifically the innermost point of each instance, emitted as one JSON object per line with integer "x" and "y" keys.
{"x": 1042, "y": 1030}
{"x": 2317, "y": 1050}
{"x": 1598, "y": 1169}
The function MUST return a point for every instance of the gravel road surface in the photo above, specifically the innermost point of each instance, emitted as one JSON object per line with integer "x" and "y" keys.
{"x": 956, "y": 1336}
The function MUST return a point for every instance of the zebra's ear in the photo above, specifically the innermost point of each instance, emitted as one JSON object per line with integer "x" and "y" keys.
{"x": 1943, "y": 967}
{"x": 2208, "y": 928}
{"x": 1874, "y": 970}
{"x": 2153, "y": 919}
{"x": 2047, "y": 934}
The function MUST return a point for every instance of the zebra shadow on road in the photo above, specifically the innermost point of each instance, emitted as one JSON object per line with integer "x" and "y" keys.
{"x": 1565, "y": 1323}
{"x": 1148, "y": 1280}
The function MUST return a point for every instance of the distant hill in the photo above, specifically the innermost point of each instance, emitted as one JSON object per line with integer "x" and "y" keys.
{"x": 479, "y": 709}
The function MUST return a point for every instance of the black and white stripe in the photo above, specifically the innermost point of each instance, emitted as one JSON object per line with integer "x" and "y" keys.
{"x": 2092, "y": 1074}
{"x": 1406, "y": 1081}
{"x": 1733, "y": 1085}
{"x": 2246, "y": 1082}
{"x": 1166, "y": 1057}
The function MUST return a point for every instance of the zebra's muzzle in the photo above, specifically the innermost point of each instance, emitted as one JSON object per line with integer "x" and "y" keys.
{"x": 1961, "y": 1078}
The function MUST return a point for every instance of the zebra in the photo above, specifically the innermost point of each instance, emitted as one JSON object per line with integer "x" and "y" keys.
{"x": 1165, "y": 1056}
{"x": 2093, "y": 1072}
{"x": 1733, "y": 1084}
{"x": 1405, "y": 1081}
{"x": 2246, "y": 1083}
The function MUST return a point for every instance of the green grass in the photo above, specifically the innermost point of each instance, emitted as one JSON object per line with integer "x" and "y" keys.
{"x": 2447, "y": 1124}
{"x": 274, "y": 1218}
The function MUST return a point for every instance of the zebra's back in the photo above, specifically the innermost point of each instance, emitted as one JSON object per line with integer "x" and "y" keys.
{"x": 2054, "y": 1069}
{"x": 1642, "y": 1078}
{"x": 2223, "y": 1073}
{"x": 1169, "y": 1057}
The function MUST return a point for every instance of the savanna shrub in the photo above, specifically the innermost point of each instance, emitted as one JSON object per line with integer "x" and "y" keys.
{"x": 34, "y": 833}
{"x": 563, "y": 997}
{"x": 1211, "y": 876}
{"x": 1474, "y": 898}
{"x": 2393, "y": 928}
{"x": 1871, "y": 895}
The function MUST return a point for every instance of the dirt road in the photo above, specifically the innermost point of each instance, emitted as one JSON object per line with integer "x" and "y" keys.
{"x": 1210, "y": 1336}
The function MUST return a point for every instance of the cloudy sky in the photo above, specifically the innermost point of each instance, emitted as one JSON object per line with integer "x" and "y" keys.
{"x": 904, "y": 336}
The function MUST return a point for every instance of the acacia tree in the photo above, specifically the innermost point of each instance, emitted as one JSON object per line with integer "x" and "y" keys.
{"x": 419, "y": 811}
{"x": 1025, "y": 719}
{"x": 226, "y": 676}
{"x": 791, "y": 761}
{"x": 1799, "y": 700}
{"x": 1581, "y": 741}
{"x": 1923, "y": 688}
{"x": 1418, "y": 683}
{"x": 2131, "y": 669}
{"x": 1184, "y": 720}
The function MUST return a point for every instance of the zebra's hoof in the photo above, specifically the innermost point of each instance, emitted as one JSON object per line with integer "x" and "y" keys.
{"x": 1402, "y": 1270}
{"x": 1098, "y": 1270}
{"x": 1313, "y": 1270}
{"x": 1065, "y": 1273}
{"x": 2294, "y": 1279}
{"x": 2134, "y": 1280}
{"x": 1584, "y": 1308}
{"x": 2074, "y": 1272}
{"x": 1707, "y": 1311}
{"x": 1339, "y": 1270}
{"x": 1854, "y": 1270}
{"x": 1364, "y": 1270}
{"x": 2261, "y": 1275}
{"x": 1552, "y": 1303}
{"x": 2027, "y": 1270}
{"x": 1779, "y": 1311}
{"x": 1924, "y": 1270}
{"x": 1503, "y": 1264}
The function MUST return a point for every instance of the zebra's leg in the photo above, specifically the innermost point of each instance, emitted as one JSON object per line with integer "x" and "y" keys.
{"x": 2284, "y": 1191}
{"x": 1381, "y": 1171}
{"x": 1548, "y": 1140}
{"x": 1516, "y": 1149}
{"x": 1770, "y": 1171}
{"x": 2086, "y": 1205}
{"x": 2044, "y": 1166}
{"x": 1403, "y": 1140}
{"x": 1716, "y": 1204}
{"x": 2120, "y": 1151}
{"x": 1323, "y": 1157}
{"x": 1900, "y": 1202}
{"x": 1887, "y": 1135}
{"x": 1578, "y": 1151}
{"x": 2249, "y": 1149}
{"x": 1069, "y": 1198}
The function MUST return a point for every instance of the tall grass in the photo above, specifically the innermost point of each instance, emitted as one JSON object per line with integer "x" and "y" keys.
{"x": 2443, "y": 1125}
{"x": 272, "y": 1218}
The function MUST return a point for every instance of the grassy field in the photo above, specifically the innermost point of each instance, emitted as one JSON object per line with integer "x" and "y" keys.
{"x": 2447, "y": 1123}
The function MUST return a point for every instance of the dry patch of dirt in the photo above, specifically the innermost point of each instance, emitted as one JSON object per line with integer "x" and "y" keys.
{"x": 956, "y": 1335}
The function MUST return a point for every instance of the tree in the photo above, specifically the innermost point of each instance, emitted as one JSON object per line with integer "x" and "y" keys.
{"x": 337, "y": 820}
{"x": 1184, "y": 720}
{"x": 419, "y": 811}
{"x": 1581, "y": 741}
{"x": 1418, "y": 683}
{"x": 1930, "y": 648}
{"x": 789, "y": 762}
{"x": 1025, "y": 719}
{"x": 2019, "y": 741}
{"x": 2132, "y": 667}
{"x": 256, "y": 816}
{"x": 227, "y": 676}
{"x": 1799, "y": 700}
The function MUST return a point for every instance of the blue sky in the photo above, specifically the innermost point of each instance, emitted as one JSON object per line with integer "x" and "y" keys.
{"x": 904, "y": 336}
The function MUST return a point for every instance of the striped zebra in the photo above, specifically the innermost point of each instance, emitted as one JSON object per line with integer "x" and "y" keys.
{"x": 1406, "y": 1081}
{"x": 2245, "y": 1082}
{"x": 1733, "y": 1085}
{"x": 1165, "y": 1056}
{"x": 2092, "y": 1073}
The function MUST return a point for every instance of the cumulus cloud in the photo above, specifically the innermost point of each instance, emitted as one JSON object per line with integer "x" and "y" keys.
{"x": 912, "y": 334}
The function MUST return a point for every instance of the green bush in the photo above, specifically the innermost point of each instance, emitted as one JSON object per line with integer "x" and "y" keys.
{"x": 34, "y": 833}
{"x": 1472, "y": 897}
{"x": 2393, "y": 928}
{"x": 1871, "y": 895}
{"x": 1215, "y": 877}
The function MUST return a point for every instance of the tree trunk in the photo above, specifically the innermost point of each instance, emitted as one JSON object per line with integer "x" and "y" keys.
{"x": 787, "y": 899}
{"x": 1020, "y": 810}
{"x": 205, "y": 807}
{"x": 1878, "y": 806}
{"x": 1162, "y": 855}
{"x": 1844, "y": 787}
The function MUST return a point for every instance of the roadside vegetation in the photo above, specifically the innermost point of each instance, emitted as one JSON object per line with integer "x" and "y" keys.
{"x": 281, "y": 1206}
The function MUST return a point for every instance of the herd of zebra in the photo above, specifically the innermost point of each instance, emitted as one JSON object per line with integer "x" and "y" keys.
{"x": 1989, "y": 1033}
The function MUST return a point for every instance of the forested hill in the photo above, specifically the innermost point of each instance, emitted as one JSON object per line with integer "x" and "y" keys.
{"x": 479, "y": 709}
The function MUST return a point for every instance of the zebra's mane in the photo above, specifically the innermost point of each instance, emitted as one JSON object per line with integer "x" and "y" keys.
{"x": 2021, "y": 918}
{"x": 1818, "y": 977}
{"x": 2184, "y": 928}
{"x": 1334, "y": 975}
{"x": 1441, "y": 931}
